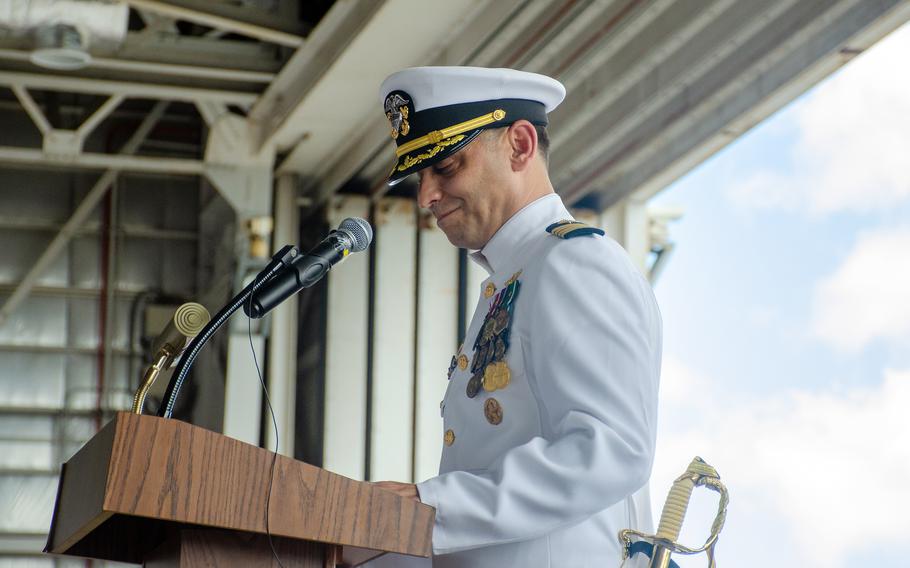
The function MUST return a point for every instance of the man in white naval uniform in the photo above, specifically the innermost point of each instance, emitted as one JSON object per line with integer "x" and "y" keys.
{"x": 549, "y": 417}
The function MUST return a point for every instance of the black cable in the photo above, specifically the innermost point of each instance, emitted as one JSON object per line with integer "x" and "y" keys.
{"x": 279, "y": 261}
{"x": 265, "y": 391}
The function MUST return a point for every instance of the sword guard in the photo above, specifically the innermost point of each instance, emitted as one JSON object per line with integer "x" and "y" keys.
{"x": 698, "y": 474}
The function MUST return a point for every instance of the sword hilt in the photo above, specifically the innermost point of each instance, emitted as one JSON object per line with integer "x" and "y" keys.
{"x": 677, "y": 503}
{"x": 697, "y": 474}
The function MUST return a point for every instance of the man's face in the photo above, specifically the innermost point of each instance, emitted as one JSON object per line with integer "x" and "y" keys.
{"x": 471, "y": 192}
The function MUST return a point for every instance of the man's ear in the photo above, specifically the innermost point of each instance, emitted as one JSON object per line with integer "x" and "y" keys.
{"x": 522, "y": 138}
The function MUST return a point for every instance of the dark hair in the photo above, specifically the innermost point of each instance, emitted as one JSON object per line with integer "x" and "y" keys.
{"x": 543, "y": 142}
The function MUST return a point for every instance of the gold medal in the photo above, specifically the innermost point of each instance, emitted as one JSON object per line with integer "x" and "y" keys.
{"x": 493, "y": 411}
{"x": 496, "y": 376}
{"x": 489, "y": 290}
{"x": 462, "y": 362}
{"x": 449, "y": 438}
{"x": 504, "y": 376}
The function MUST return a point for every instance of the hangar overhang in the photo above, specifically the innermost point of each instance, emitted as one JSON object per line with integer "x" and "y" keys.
{"x": 655, "y": 87}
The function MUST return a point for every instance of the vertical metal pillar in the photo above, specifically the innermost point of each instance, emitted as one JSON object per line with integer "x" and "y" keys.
{"x": 282, "y": 373}
{"x": 391, "y": 428}
{"x": 628, "y": 223}
{"x": 437, "y": 318}
{"x": 347, "y": 337}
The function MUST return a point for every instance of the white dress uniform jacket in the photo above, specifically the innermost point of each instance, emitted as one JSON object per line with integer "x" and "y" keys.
{"x": 552, "y": 484}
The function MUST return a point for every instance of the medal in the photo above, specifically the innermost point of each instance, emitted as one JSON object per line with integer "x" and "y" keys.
{"x": 474, "y": 385}
{"x": 493, "y": 411}
{"x": 496, "y": 376}
{"x": 488, "y": 366}
{"x": 500, "y": 349}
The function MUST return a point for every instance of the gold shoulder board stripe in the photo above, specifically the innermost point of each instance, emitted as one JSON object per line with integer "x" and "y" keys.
{"x": 568, "y": 229}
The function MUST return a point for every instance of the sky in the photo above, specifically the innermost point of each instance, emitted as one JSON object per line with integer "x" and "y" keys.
{"x": 786, "y": 307}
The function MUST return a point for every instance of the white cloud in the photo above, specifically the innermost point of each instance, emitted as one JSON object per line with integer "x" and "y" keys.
{"x": 868, "y": 296}
{"x": 828, "y": 469}
{"x": 853, "y": 140}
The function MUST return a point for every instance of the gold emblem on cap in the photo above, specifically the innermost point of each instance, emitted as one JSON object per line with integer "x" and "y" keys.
{"x": 410, "y": 161}
{"x": 499, "y": 114}
{"x": 493, "y": 411}
{"x": 404, "y": 127}
{"x": 496, "y": 376}
{"x": 462, "y": 362}
{"x": 489, "y": 290}
{"x": 449, "y": 438}
{"x": 435, "y": 137}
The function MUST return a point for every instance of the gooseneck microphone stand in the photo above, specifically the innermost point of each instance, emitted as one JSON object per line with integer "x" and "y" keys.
{"x": 279, "y": 261}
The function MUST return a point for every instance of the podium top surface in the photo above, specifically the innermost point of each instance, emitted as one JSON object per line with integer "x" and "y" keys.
{"x": 143, "y": 472}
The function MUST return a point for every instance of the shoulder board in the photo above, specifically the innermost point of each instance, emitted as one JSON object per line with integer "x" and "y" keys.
{"x": 569, "y": 229}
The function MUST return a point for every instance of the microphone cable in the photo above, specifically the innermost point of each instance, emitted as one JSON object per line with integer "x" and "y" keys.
{"x": 268, "y": 401}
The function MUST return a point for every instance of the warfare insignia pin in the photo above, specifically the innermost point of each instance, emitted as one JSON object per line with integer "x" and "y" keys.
{"x": 452, "y": 366}
{"x": 396, "y": 110}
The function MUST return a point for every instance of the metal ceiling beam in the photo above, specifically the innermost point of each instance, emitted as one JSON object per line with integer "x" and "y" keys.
{"x": 131, "y": 68}
{"x": 342, "y": 103}
{"x": 127, "y": 89}
{"x": 601, "y": 117}
{"x": 28, "y": 103}
{"x": 271, "y": 116}
{"x": 710, "y": 82}
{"x": 371, "y": 154}
{"x": 29, "y": 157}
{"x": 173, "y": 49}
{"x": 820, "y": 50}
{"x": 523, "y": 35}
{"x": 622, "y": 58}
{"x": 82, "y": 212}
{"x": 504, "y": 33}
{"x": 197, "y": 51}
{"x": 222, "y": 18}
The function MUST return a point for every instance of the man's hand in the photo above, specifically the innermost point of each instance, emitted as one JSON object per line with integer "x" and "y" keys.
{"x": 408, "y": 490}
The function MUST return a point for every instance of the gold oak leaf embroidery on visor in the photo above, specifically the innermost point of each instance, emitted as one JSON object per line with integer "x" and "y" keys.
{"x": 410, "y": 161}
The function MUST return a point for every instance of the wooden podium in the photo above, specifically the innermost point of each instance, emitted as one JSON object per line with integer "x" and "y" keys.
{"x": 160, "y": 492}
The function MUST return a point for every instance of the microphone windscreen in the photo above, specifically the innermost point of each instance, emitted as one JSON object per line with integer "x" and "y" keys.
{"x": 190, "y": 318}
{"x": 185, "y": 324}
{"x": 361, "y": 232}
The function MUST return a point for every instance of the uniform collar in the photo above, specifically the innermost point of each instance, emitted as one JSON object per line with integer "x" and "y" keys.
{"x": 528, "y": 222}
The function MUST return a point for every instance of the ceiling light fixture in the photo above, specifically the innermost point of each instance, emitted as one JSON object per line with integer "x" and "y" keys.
{"x": 61, "y": 47}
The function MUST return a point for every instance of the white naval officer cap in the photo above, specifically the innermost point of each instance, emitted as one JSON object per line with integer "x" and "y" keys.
{"x": 436, "y": 111}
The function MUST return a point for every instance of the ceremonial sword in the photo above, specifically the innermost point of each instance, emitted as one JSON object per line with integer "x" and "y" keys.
{"x": 663, "y": 544}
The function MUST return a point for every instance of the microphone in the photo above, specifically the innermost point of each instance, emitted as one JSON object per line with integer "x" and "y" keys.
{"x": 353, "y": 235}
{"x": 184, "y": 325}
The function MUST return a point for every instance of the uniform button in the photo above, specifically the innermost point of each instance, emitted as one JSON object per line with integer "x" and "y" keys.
{"x": 463, "y": 362}
{"x": 449, "y": 437}
{"x": 489, "y": 290}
